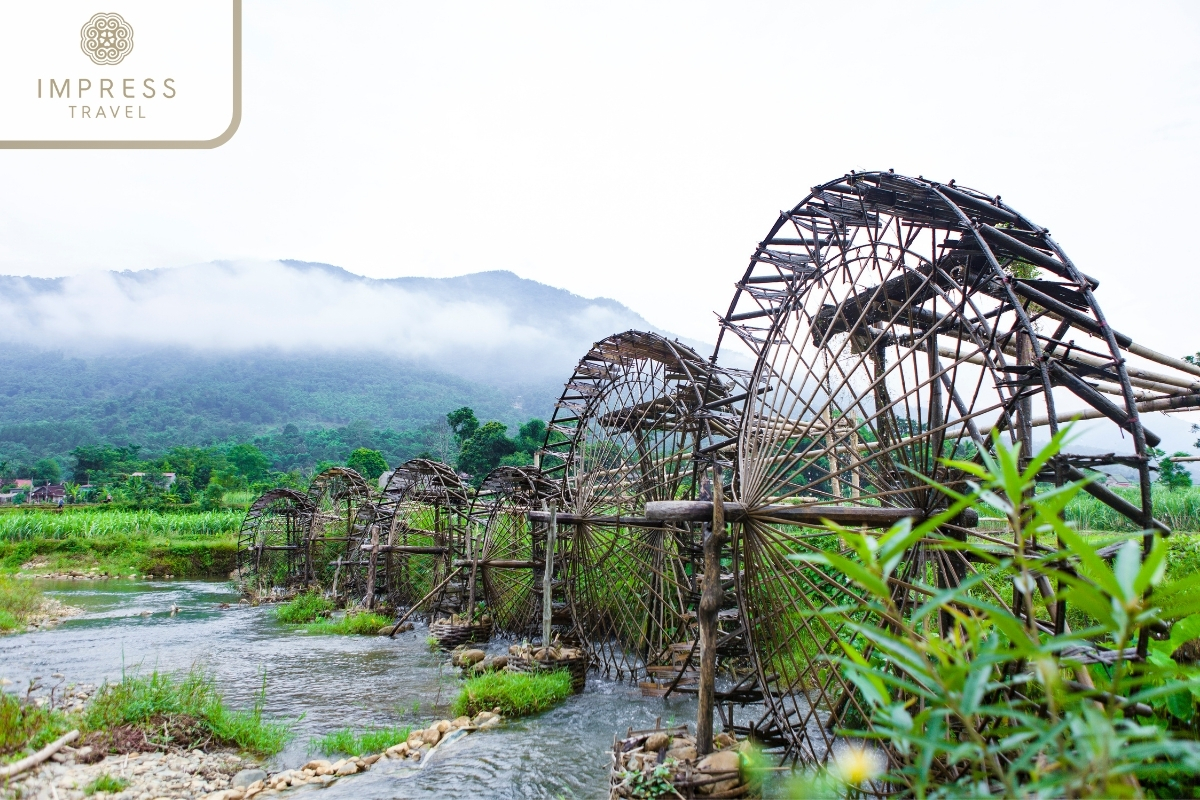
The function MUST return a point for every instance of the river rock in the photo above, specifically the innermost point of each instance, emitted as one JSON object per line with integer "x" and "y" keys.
{"x": 470, "y": 657}
{"x": 386, "y": 630}
{"x": 431, "y": 735}
{"x": 246, "y": 777}
{"x": 443, "y": 725}
{"x": 482, "y": 717}
{"x": 490, "y": 722}
{"x": 415, "y": 739}
{"x": 316, "y": 765}
{"x": 684, "y": 751}
{"x": 461, "y": 722}
{"x": 349, "y": 768}
{"x": 723, "y": 740}
{"x": 721, "y": 761}
{"x": 371, "y": 759}
{"x": 398, "y": 750}
{"x": 499, "y": 663}
{"x": 657, "y": 741}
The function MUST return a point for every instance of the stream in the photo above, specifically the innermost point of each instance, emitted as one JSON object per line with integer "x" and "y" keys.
{"x": 330, "y": 682}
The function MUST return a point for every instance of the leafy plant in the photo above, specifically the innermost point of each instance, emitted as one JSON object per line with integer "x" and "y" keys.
{"x": 304, "y": 608}
{"x": 105, "y": 783}
{"x": 972, "y": 699}
{"x": 653, "y": 784}
{"x": 359, "y": 624}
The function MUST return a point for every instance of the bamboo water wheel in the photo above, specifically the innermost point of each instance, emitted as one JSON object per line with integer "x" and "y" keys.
{"x": 273, "y": 552}
{"x": 625, "y": 432}
{"x": 336, "y": 495}
{"x": 507, "y": 557}
{"x": 410, "y": 538}
{"x": 896, "y": 321}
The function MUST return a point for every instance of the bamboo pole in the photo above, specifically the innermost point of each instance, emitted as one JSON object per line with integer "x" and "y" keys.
{"x": 420, "y": 602}
{"x": 548, "y": 579}
{"x": 17, "y": 767}
{"x": 710, "y": 605}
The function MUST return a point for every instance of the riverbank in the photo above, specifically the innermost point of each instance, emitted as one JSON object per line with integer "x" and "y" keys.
{"x": 120, "y": 555}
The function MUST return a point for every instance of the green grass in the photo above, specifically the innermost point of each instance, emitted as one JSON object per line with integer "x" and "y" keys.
{"x": 121, "y": 554}
{"x": 367, "y": 624}
{"x": 347, "y": 741}
{"x": 188, "y": 706}
{"x": 1178, "y": 508}
{"x": 105, "y": 783}
{"x": 89, "y": 523}
{"x": 19, "y": 600}
{"x": 26, "y": 728}
{"x": 303, "y": 609}
{"x": 517, "y": 694}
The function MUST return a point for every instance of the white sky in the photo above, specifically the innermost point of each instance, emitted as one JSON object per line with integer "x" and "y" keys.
{"x": 638, "y": 151}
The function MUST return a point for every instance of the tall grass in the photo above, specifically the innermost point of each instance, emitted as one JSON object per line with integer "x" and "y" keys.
{"x": 88, "y": 524}
{"x": 360, "y": 624}
{"x": 303, "y": 609}
{"x": 1178, "y": 508}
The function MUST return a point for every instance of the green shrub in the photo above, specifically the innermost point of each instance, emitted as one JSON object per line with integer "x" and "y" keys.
{"x": 184, "y": 703}
{"x": 517, "y": 694}
{"x": 993, "y": 707}
{"x": 361, "y": 624}
{"x": 86, "y": 523}
{"x": 303, "y": 608}
{"x": 347, "y": 741}
{"x": 105, "y": 783}
{"x": 27, "y": 727}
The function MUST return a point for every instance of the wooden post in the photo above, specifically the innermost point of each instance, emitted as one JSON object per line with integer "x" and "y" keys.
{"x": 710, "y": 605}
{"x": 369, "y": 599}
{"x": 548, "y": 578}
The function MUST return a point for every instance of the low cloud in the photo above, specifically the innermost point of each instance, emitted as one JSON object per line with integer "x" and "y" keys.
{"x": 473, "y": 324}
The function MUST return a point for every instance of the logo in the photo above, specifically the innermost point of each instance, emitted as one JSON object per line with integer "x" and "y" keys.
{"x": 106, "y": 39}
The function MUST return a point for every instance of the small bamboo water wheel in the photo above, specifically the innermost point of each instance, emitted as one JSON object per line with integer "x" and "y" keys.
{"x": 895, "y": 322}
{"x": 507, "y": 555}
{"x": 273, "y": 552}
{"x": 626, "y": 432}
{"x": 336, "y": 495}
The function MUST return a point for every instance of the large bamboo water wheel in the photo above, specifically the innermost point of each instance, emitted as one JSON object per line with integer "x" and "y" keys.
{"x": 626, "y": 432}
{"x": 336, "y": 495}
{"x": 273, "y": 552}
{"x": 897, "y": 321}
{"x": 507, "y": 555}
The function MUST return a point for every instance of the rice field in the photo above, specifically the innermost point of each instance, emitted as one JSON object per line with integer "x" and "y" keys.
{"x": 92, "y": 524}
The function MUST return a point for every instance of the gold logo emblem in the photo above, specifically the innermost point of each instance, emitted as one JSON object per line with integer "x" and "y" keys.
{"x": 106, "y": 39}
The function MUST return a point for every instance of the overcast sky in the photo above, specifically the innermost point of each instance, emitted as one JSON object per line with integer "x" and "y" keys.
{"x": 638, "y": 151}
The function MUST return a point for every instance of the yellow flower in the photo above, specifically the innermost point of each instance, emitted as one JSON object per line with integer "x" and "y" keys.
{"x": 855, "y": 765}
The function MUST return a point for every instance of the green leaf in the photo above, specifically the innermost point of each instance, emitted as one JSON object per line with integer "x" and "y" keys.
{"x": 1181, "y": 706}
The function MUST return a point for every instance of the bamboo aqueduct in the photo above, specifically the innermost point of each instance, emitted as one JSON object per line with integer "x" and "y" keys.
{"x": 890, "y": 322}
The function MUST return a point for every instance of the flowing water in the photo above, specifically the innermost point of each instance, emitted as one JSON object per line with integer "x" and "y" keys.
{"x": 330, "y": 682}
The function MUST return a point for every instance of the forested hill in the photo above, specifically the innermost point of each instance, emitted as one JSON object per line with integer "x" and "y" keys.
{"x": 226, "y": 352}
{"x": 52, "y": 402}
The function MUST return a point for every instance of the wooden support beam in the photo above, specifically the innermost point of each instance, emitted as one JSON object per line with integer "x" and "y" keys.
{"x": 702, "y": 511}
{"x": 585, "y": 519}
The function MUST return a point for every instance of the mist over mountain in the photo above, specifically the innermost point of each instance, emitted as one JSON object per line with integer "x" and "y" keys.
{"x": 231, "y": 350}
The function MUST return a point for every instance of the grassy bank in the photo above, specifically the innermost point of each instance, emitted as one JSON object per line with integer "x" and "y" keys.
{"x": 19, "y": 601}
{"x": 146, "y": 712}
{"x": 349, "y": 742}
{"x": 361, "y": 624}
{"x": 122, "y": 554}
{"x": 312, "y": 610}
{"x": 516, "y": 694}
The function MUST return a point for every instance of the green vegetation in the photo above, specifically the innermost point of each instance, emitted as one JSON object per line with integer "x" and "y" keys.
{"x": 209, "y": 557}
{"x": 19, "y": 600}
{"x": 26, "y": 728}
{"x": 303, "y": 609}
{"x": 517, "y": 694}
{"x": 1178, "y": 508}
{"x": 368, "y": 463}
{"x": 89, "y": 522}
{"x": 995, "y": 709}
{"x": 349, "y": 742}
{"x": 359, "y": 623}
{"x": 105, "y": 783}
{"x": 185, "y": 710}
{"x": 482, "y": 448}
{"x": 300, "y": 411}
